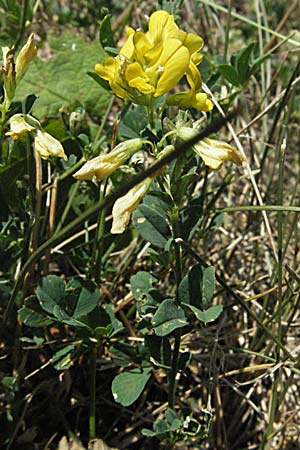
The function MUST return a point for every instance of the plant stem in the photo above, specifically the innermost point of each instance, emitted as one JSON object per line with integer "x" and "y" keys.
{"x": 177, "y": 334}
{"x": 23, "y": 21}
{"x": 174, "y": 370}
{"x": 96, "y": 259}
{"x": 92, "y": 412}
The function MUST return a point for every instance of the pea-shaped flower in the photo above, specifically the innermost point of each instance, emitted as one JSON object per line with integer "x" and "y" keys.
{"x": 212, "y": 151}
{"x": 124, "y": 206}
{"x": 104, "y": 165}
{"x": 151, "y": 64}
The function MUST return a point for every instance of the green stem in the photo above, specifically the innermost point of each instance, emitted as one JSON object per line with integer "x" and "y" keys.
{"x": 177, "y": 334}
{"x": 96, "y": 259}
{"x": 23, "y": 22}
{"x": 92, "y": 412}
{"x": 228, "y": 22}
{"x": 68, "y": 206}
{"x": 174, "y": 370}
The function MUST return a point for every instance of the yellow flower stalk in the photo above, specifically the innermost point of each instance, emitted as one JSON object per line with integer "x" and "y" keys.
{"x": 27, "y": 53}
{"x": 212, "y": 151}
{"x": 46, "y": 145}
{"x": 104, "y": 165}
{"x": 18, "y": 126}
{"x": 124, "y": 206}
{"x": 151, "y": 64}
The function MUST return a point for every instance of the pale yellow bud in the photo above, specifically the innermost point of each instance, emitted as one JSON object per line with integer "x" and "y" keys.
{"x": 9, "y": 74}
{"x": 46, "y": 145}
{"x": 212, "y": 151}
{"x": 27, "y": 53}
{"x": 104, "y": 165}
{"x": 124, "y": 206}
{"x": 18, "y": 126}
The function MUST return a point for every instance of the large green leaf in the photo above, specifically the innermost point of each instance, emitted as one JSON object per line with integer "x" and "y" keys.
{"x": 63, "y": 79}
{"x": 197, "y": 287}
{"x": 168, "y": 318}
{"x": 128, "y": 386}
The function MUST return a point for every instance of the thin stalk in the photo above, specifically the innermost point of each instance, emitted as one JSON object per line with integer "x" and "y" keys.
{"x": 227, "y": 29}
{"x": 96, "y": 259}
{"x": 105, "y": 117}
{"x": 38, "y": 201}
{"x": 177, "y": 335}
{"x": 22, "y": 22}
{"x": 68, "y": 207}
{"x": 174, "y": 370}
{"x": 92, "y": 412}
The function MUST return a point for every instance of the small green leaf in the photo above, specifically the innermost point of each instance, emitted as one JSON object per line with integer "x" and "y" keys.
{"x": 115, "y": 325}
{"x": 62, "y": 359}
{"x": 33, "y": 318}
{"x": 243, "y": 63}
{"x": 88, "y": 299}
{"x": 51, "y": 292}
{"x": 230, "y": 73}
{"x": 106, "y": 36}
{"x": 133, "y": 122}
{"x": 209, "y": 315}
{"x": 168, "y": 318}
{"x": 140, "y": 284}
{"x": 128, "y": 386}
{"x": 152, "y": 225}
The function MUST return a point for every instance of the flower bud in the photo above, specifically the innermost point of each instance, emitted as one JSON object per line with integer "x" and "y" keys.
{"x": 212, "y": 151}
{"x": 27, "y": 53}
{"x": 9, "y": 74}
{"x": 18, "y": 126}
{"x": 124, "y": 206}
{"x": 104, "y": 165}
{"x": 46, "y": 145}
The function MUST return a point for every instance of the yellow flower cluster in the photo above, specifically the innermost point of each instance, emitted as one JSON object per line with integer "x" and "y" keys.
{"x": 151, "y": 64}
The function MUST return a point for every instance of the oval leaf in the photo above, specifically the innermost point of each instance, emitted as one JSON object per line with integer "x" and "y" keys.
{"x": 128, "y": 386}
{"x": 152, "y": 225}
{"x": 168, "y": 318}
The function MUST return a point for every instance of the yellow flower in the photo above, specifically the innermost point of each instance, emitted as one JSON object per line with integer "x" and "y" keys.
{"x": 46, "y": 145}
{"x": 104, "y": 165}
{"x": 212, "y": 151}
{"x": 151, "y": 64}
{"x": 194, "y": 97}
{"x": 18, "y": 126}
{"x": 27, "y": 53}
{"x": 124, "y": 206}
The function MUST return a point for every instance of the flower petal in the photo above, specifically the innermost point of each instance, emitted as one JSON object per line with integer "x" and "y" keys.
{"x": 214, "y": 152}
{"x": 46, "y": 145}
{"x": 161, "y": 27}
{"x": 125, "y": 205}
{"x": 171, "y": 65}
{"x": 137, "y": 78}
